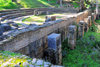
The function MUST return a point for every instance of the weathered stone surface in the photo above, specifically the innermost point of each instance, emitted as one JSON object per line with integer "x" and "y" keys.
{"x": 81, "y": 29}
{"x": 47, "y": 63}
{"x": 21, "y": 38}
{"x": 34, "y": 60}
{"x": 1, "y": 30}
{"x": 51, "y": 55}
{"x": 15, "y": 25}
{"x": 31, "y": 65}
{"x": 48, "y": 19}
{"x": 39, "y": 62}
{"x": 25, "y": 64}
{"x": 54, "y": 42}
{"x": 9, "y": 22}
{"x": 72, "y": 36}
{"x": 6, "y": 27}
{"x": 56, "y": 66}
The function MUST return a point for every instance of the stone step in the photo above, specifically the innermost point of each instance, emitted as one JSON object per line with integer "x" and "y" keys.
{"x": 16, "y": 15}
{"x": 13, "y": 12}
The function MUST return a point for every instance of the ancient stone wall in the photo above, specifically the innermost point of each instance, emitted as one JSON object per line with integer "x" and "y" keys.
{"x": 33, "y": 40}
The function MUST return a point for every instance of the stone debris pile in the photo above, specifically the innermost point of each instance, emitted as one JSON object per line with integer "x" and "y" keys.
{"x": 6, "y": 29}
{"x": 37, "y": 63}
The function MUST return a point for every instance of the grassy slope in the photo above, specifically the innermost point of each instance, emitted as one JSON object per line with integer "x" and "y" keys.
{"x": 8, "y": 4}
{"x": 86, "y": 53}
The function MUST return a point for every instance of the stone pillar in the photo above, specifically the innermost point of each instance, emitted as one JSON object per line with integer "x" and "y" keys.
{"x": 36, "y": 12}
{"x": 90, "y": 21}
{"x": 86, "y": 28}
{"x": 72, "y": 36}
{"x": 81, "y": 29}
{"x": 93, "y": 18}
{"x": 54, "y": 43}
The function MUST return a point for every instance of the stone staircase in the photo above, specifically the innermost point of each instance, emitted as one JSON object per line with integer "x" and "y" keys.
{"x": 15, "y": 13}
{"x": 11, "y": 14}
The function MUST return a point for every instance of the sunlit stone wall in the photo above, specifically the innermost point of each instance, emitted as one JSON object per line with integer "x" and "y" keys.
{"x": 33, "y": 40}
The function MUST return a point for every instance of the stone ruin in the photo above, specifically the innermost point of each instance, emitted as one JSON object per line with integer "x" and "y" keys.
{"x": 36, "y": 36}
{"x": 48, "y": 19}
{"x": 72, "y": 36}
{"x": 6, "y": 28}
{"x": 81, "y": 29}
{"x": 37, "y": 12}
{"x": 53, "y": 52}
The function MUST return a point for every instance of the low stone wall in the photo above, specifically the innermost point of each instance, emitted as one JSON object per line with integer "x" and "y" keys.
{"x": 33, "y": 40}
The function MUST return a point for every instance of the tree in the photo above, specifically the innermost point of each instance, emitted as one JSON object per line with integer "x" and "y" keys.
{"x": 60, "y": 2}
{"x": 82, "y": 5}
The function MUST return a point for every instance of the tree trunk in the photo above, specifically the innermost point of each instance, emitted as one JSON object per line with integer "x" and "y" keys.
{"x": 60, "y": 3}
{"x": 82, "y": 6}
{"x": 97, "y": 6}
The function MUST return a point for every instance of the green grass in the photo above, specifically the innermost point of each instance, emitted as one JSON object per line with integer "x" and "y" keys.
{"x": 84, "y": 55}
{"x": 15, "y": 58}
{"x": 98, "y": 21}
{"x": 40, "y": 18}
{"x": 8, "y": 4}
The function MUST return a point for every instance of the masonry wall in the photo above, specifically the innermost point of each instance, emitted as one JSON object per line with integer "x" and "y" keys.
{"x": 33, "y": 40}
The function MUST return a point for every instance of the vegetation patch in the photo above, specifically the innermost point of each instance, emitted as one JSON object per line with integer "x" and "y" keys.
{"x": 35, "y": 19}
{"x": 8, "y": 4}
{"x": 75, "y": 4}
{"x": 86, "y": 53}
{"x": 40, "y": 18}
{"x": 10, "y": 59}
{"x": 98, "y": 21}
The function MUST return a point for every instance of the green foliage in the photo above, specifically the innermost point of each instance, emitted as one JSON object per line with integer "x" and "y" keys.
{"x": 93, "y": 28}
{"x": 81, "y": 56}
{"x": 86, "y": 53}
{"x": 75, "y": 4}
{"x": 8, "y": 4}
{"x": 98, "y": 21}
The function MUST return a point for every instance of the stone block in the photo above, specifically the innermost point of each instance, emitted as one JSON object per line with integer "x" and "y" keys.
{"x": 51, "y": 55}
{"x": 72, "y": 36}
{"x": 54, "y": 43}
{"x": 54, "y": 40}
{"x": 52, "y": 18}
{"x": 35, "y": 12}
